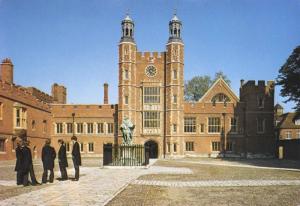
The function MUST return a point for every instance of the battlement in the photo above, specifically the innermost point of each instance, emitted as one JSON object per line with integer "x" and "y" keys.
{"x": 260, "y": 84}
{"x": 40, "y": 94}
{"x": 6, "y": 61}
{"x": 147, "y": 55}
{"x": 22, "y": 95}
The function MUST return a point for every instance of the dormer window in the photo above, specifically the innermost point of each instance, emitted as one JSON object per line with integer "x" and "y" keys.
{"x": 297, "y": 121}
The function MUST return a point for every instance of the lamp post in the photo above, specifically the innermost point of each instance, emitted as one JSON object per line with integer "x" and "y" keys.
{"x": 73, "y": 128}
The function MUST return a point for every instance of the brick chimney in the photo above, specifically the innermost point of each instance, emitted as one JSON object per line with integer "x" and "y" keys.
{"x": 105, "y": 99}
{"x": 7, "y": 71}
{"x": 59, "y": 94}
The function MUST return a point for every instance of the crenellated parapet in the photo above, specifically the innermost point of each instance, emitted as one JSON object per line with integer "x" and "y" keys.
{"x": 40, "y": 94}
{"x": 22, "y": 95}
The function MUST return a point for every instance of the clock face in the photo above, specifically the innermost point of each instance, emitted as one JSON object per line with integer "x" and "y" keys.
{"x": 150, "y": 71}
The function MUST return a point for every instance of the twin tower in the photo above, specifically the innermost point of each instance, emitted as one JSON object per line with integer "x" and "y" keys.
{"x": 151, "y": 86}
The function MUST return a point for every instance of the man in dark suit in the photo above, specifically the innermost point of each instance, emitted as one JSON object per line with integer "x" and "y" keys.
{"x": 48, "y": 157}
{"x": 76, "y": 157}
{"x": 26, "y": 162}
{"x": 62, "y": 160}
{"x": 18, "y": 168}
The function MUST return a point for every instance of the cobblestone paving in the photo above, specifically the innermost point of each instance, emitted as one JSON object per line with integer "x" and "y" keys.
{"x": 238, "y": 164}
{"x": 168, "y": 170}
{"x": 212, "y": 183}
{"x": 96, "y": 186}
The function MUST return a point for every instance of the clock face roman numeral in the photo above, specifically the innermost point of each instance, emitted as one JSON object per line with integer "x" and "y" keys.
{"x": 150, "y": 71}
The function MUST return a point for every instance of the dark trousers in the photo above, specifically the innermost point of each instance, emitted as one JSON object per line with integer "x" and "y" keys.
{"x": 19, "y": 177}
{"x": 76, "y": 167}
{"x": 45, "y": 176}
{"x": 32, "y": 175}
{"x": 63, "y": 171}
{"x": 25, "y": 178}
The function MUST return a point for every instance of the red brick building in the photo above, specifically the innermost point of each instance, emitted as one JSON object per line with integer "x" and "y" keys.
{"x": 22, "y": 108}
{"x": 151, "y": 95}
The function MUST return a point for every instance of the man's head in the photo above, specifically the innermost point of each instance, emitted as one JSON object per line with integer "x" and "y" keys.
{"x": 23, "y": 134}
{"x": 48, "y": 142}
{"x": 74, "y": 138}
{"x": 60, "y": 141}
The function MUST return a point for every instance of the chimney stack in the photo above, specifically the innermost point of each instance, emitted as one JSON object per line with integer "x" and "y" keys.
{"x": 105, "y": 99}
{"x": 7, "y": 71}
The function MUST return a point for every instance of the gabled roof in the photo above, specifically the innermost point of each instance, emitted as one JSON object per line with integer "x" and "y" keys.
{"x": 278, "y": 106}
{"x": 287, "y": 121}
{"x": 227, "y": 88}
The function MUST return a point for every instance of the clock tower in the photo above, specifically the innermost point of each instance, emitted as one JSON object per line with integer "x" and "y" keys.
{"x": 174, "y": 88}
{"x": 127, "y": 69}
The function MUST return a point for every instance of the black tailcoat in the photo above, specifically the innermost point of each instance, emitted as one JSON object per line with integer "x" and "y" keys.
{"x": 48, "y": 157}
{"x": 26, "y": 160}
{"x": 62, "y": 156}
{"x": 18, "y": 151}
{"x": 76, "y": 154}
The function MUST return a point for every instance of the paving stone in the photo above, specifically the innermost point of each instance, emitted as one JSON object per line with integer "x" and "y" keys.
{"x": 212, "y": 183}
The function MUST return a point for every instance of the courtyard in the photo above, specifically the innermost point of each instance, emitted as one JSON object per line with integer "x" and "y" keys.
{"x": 187, "y": 181}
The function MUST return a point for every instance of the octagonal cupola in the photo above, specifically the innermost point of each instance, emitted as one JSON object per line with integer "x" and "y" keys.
{"x": 127, "y": 29}
{"x": 175, "y": 29}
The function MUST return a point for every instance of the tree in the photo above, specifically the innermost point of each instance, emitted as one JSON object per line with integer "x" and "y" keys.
{"x": 195, "y": 88}
{"x": 289, "y": 78}
{"x": 224, "y": 77}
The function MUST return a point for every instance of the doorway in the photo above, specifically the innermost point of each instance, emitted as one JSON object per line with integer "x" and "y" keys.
{"x": 153, "y": 149}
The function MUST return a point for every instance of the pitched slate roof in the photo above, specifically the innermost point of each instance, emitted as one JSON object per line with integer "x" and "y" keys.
{"x": 287, "y": 121}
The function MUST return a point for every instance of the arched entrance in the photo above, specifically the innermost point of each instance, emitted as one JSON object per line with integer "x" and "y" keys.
{"x": 153, "y": 148}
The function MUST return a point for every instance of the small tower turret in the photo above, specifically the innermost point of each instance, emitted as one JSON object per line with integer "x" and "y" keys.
{"x": 175, "y": 29}
{"x": 127, "y": 29}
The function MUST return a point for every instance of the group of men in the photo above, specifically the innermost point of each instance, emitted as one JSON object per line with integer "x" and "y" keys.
{"x": 24, "y": 164}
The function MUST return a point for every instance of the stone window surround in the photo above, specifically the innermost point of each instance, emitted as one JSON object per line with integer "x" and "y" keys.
{"x": 288, "y": 135}
{"x": 215, "y": 125}
{"x": 263, "y": 126}
{"x": 22, "y": 116}
{"x": 88, "y": 147}
{"x": 215, "y": 146}
{"x": 192, "y": 127}
{"x": 95, "y": 128}
{"x": 189, "y": 146}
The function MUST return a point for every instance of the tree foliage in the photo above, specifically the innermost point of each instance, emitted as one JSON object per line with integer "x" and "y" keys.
{"x": 289, "y": 78}
{"x": 195, "y": 88}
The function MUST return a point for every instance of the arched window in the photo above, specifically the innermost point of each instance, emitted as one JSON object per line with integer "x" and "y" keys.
{"x": 175, "y": 31}
{"x": 126, "y": 34}
{"x": 220, "y": 98}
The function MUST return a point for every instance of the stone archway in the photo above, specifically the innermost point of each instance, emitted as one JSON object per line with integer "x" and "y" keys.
{"x": 153, "y": 149}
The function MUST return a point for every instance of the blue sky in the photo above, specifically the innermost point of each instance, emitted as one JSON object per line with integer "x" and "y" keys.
{"x": 75, "y": 42}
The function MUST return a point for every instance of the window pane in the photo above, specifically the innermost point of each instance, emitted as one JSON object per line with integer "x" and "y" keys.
{"x": 151, "y": 95}
{"x": 151, "y": 119}
{"x": 214, "y": 124}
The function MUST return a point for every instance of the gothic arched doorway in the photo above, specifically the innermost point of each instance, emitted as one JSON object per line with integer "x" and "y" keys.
{"x": 153, "y": 149}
